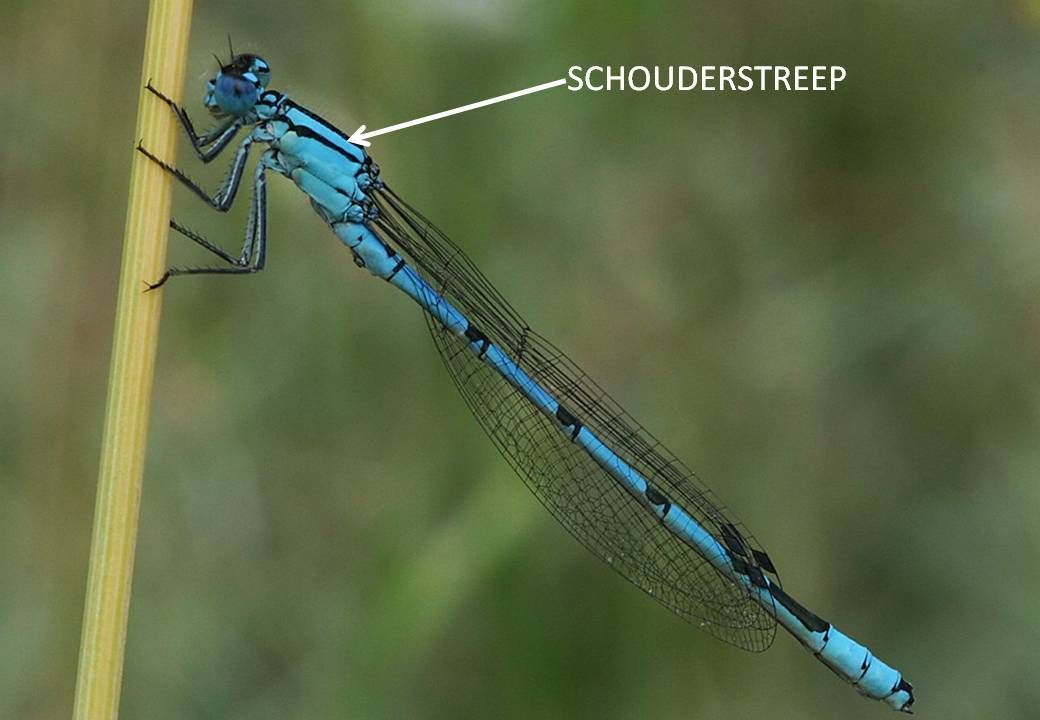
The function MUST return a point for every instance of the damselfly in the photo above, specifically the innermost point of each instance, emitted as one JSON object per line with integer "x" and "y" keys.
{"x": 596, "y": 469}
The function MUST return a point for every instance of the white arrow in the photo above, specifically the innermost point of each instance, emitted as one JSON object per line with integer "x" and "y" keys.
{"x": 358, "y": 138}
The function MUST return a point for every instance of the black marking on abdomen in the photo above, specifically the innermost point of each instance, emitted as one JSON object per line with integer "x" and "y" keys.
{"x": 908, "y": 689}
{"x": 806, "y": 617}
{"x": 737, "y": 549}
{"x": 397, "y": 268}
{"x": 751, "y": 572}
{"x": 475, "y": 335}
{"x": 567, "y": 419}
{"x": 658, "y": 499}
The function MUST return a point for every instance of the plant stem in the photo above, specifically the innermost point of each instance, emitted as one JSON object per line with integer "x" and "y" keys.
{"x": 107, "y": 605}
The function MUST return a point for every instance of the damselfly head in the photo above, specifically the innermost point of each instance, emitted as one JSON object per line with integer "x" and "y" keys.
{"x": 238, "y": 85}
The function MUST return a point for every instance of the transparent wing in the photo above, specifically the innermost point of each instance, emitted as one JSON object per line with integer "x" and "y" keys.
{"x": 570, "y": 484}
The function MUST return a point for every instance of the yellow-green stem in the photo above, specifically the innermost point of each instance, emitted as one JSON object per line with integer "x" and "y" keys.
{"x": 107, "y": 605}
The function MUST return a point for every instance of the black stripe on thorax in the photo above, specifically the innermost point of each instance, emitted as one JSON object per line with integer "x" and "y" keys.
{"x": 307, "y": 132}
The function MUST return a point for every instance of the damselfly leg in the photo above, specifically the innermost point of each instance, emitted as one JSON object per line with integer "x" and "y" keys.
{"x": 225, "y": 195}
{"x": 253, "y": 255}
{"x": 218, "y": 138}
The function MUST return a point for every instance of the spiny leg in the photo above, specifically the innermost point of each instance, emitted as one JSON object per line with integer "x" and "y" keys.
{"x": 225, "y": 194}
{"x": 254, "y": 249}
{"x": 218, "y": 137}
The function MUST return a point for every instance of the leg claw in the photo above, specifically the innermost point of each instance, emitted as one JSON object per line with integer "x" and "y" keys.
{"x": 157, "y": 284}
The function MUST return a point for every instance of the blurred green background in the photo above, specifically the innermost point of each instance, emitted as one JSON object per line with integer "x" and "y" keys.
{"x": 828, "y": 304}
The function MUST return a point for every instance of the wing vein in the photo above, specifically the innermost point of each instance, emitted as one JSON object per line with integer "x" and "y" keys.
{"x": 582, "y": 496}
